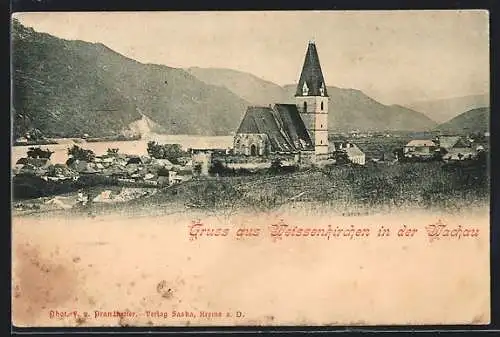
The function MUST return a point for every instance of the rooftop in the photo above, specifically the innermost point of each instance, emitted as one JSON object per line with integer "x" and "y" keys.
{"x": 421, "y": 142}
{"x": 282, "y": 124}
{"x": 311, "y": 75}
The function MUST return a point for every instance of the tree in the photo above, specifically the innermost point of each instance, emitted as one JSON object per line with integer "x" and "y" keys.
{"x": 35, "y": 134}
{"x": 77, "y": 153}
{"x": 112, "y": 151}
{"x": 197, "y": 169}
{"x": 341, "y": 157}
{"x": 276, "y": 165}
{"x": 217, "y": 168}
{"x": 171, "y": 152}
{"x": 438, "y": 155}
{"x": 398, "y": 153}
{"x": 37, "y": 152}
{"x": 163, "y": 172}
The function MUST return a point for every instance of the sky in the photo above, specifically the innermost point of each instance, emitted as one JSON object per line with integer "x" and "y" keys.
{"x": 396, "y": 57}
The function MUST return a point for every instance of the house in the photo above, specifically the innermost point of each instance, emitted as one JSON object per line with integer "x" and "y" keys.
{"x": 22, "y": 161}
{"x": 81, "y": 166}
{"x": 174, "y": 177}
{"x": 354, "y": 133}
{"x": 61, "y": 172}
{"x": 37, "y": 166}
{"x": 21, "y": 141}
{"x": 457, "y": 153}
{"x": 354, "y": 153}
{"x": 290, "y": 128}
{"x": 158, "y": 163}
{"x": 134, "y": 160}
{"x": 448, "y": 142}
{"x": 115, "y": 171}
{"x": 456, "y": 148}
{"x": 39, "y": 162}
{"x": 420, "y": 148}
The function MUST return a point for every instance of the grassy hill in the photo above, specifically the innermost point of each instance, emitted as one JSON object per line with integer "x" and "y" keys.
{"x": 67, "y": 88}
{"x": 475, "y": 120}
{"x": 349, "y": 109}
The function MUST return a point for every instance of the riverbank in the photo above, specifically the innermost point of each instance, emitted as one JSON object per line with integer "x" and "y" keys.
{"x": 131, "y": 147}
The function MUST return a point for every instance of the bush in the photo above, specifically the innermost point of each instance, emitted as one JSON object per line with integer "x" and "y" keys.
{"x": 77, "y": 153}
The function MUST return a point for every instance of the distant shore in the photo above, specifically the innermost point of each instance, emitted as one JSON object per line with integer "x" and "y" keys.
{"x": 52, "y": 141}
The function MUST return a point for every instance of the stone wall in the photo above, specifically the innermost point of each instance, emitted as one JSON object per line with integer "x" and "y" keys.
{"x": 243, "y": 159}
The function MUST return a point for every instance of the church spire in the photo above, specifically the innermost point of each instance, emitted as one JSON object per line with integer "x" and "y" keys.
{"x": 311, "y": 76}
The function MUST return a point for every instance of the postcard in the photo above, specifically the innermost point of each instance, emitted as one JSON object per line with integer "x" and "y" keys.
{"x": 271, "y": 168}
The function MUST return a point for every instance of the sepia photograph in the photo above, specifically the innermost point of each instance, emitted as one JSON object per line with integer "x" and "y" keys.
{"x": 250, "y": 168}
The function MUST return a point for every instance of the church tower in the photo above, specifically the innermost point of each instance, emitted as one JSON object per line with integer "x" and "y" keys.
{"x": 311, "y": 99}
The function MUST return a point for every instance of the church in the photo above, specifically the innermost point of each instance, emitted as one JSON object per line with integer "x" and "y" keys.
{"x": 300, "y": 128}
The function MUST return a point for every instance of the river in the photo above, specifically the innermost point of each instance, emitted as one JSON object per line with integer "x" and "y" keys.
{"x": 136, "y": 147}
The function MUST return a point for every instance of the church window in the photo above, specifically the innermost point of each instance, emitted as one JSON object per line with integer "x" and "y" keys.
{"x": 321, "y": 142}
{"x": 305, "y": 106}
{"x": 322, "y": 89}
{"x": 305, "y": 89}
{"x": 321, "y": 106}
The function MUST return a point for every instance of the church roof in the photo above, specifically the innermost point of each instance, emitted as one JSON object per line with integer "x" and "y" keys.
{"x": 293, "y": 123}
{"x": 311, "y": 75}
{"x": 283, "y": 126}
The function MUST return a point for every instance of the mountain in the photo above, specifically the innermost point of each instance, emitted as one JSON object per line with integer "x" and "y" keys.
{"x": 351, "y": 109}
{"x": 348, "y": 108}
{"x": 68, "y": 88}
{"x": 475, "y": 120}
{"x": 443, "y": 110}
{"x": 249, "y": 87}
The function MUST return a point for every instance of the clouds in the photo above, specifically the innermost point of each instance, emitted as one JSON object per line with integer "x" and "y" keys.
{"x": 395, "y": 56}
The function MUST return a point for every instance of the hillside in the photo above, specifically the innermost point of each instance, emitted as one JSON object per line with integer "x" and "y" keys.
{"x": 349, "y": 109}
{"x": 443, "y": 110}
{"x": 475, "y": 120}
{"x": 67, "y": 88}
{"x": 249, "y": 87}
